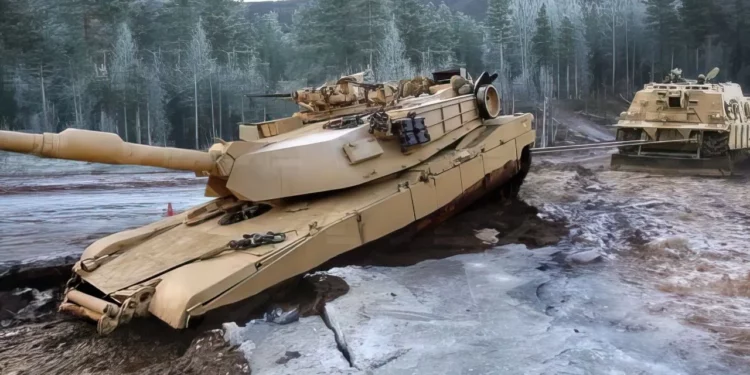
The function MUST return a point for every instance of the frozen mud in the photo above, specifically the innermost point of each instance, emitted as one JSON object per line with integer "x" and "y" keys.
{"x": 50, "y": 209}
{"x": 651, "y": 279}
{"x": 506, "y": 311}
{"x": 684, "y": 236}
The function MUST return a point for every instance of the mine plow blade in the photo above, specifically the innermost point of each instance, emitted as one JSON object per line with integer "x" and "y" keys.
{"x": 684, "y": 166}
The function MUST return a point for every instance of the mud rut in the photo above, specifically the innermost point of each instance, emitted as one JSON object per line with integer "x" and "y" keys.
{"x": 684, "y": 236}
{"x": 34, "y": 339}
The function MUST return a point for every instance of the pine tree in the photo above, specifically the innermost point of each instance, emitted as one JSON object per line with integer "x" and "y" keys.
{"x": 223, "y": 24}
{"x": 124, "y": 70}
{"x": 372, "y": 17}
{"x": 470, "y": 43}
{"x": 542, "y": 40}
{"x": 327, "y": 36}
{"x": 271, "y": 46}
{"x": 543, "y": 50}
{"x": 392, "y": 61}
{"x": 498, "y": 31}
{"x": 594, "y": 43}
{"x": 440, "y": 38}
{"x": 663, "y": 22}
{"x": 740, "y": 47}
{"x": 566, "y": 50}
{"x": 199, "y": 65}
{"x": 409, "y": 20}
{"x": 696, "y": 19}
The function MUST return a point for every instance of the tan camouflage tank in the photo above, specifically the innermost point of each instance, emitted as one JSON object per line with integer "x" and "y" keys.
{"x": 694, "y": 126}
{"x": 359, "y": 163}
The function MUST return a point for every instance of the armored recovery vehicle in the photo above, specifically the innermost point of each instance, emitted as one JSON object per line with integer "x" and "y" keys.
{"x": 293, "y": 193}
{"x": 691, "y": 126}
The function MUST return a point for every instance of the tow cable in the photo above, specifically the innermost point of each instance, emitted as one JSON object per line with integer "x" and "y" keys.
{"x": 257, "y": 240}
{"x": 602, "y": 145}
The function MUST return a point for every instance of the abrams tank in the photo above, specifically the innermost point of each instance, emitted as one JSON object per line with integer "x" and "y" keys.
{"x": 691, "y": 127}
{"x": 293, "y": 193}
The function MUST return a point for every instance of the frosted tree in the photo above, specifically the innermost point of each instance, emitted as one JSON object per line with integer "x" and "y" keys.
{"x": 157, "y": 126}
{"x": 410, "y": 23}
{"x": 470, "y": 35}
{"x": 565, "y": 16}
{"x": 240, "y": 77}
{"x": 441, "y": 39}
{"x": 542, "y": 49}
{"x": 662, "y": 20}
{"x": 370, "y": 18}
{"x": 271, "y": 45}
{"x": 612, "y": 12}
{"x": 393, "y": 63}
{"x": 566, "y": 44}
{"x": 498, "y": 33}
{"x": 200, "y": 65}
{"x": 525, "y": 12}
{"x": 75, "y": 89}
{"x": 124, "y": 66}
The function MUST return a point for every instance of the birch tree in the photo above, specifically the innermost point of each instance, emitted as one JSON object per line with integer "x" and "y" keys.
{"x": 612, "y": 11}
{"x": 124, "y": 65}
{"x": 525, "y": 12}
{"x": 663, "y": 23}
{"x": 498, "y": 33}
{"x": 542, "y": 49}
{"x": 200, "y": 65}
{"x": 393, "y": 63}
{"x": 157, "y": 126}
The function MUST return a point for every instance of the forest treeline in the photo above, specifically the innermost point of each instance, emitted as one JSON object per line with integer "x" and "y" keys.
{"x": 176, "y": 71}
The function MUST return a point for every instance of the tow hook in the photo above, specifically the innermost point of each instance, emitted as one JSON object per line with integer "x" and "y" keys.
{"x": 107, "y": 315}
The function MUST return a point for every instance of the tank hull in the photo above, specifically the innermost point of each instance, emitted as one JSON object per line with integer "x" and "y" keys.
{"x": 136, "y": 271}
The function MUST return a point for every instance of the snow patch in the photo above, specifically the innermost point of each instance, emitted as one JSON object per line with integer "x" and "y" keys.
{"x": 487, "y": 236}
{"x": 302, "y": 347}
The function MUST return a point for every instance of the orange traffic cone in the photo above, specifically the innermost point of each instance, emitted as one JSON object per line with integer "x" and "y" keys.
{"x": 170, "y": 211}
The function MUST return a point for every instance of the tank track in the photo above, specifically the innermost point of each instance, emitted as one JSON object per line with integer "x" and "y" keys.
{"x": 628, "y": 135}
{"x": 514, "y": 185}
{"x": 714, "y": 144}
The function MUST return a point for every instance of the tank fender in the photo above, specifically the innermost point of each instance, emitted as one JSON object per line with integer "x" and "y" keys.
{"x": 197, "y": 283}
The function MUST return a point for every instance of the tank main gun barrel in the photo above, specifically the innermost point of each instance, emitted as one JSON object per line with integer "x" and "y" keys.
{"x": 107, "y": 148}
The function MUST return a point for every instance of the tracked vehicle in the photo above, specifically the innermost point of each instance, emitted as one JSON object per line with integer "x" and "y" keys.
{"x": 691, "y": 126}
{"x": 293, "y": 193}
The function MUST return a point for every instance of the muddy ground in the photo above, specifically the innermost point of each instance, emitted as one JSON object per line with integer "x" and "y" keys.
{"x": 36, "y": 340}
{"x": 674, "y": 248}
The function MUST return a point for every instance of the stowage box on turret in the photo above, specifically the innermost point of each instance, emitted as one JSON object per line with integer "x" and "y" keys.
{"x": 359, "y": 162}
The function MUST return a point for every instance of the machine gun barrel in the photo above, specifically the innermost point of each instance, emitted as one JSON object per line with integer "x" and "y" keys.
{"x": 269, "y": 95}
{"x": 107, "y": 148}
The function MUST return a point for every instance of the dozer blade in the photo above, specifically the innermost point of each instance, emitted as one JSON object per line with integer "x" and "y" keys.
{"x": 720, "y": 166}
